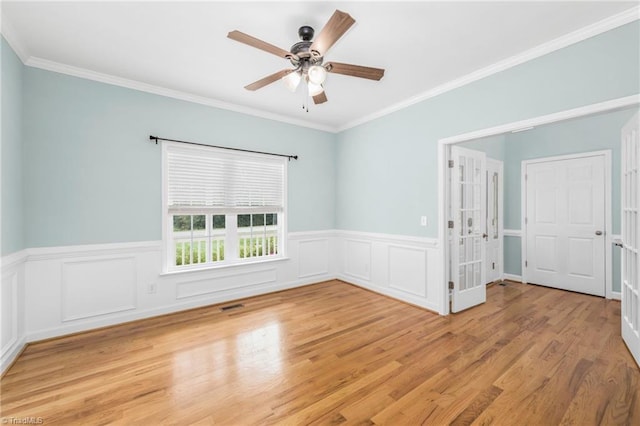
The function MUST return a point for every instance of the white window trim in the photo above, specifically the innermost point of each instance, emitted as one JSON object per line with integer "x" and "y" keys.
{"x": 167, "y": 265}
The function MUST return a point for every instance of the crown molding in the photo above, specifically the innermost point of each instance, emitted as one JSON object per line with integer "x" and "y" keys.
{"x": 574, "y": 37}
{"x": 170, "y": 93}
{"x": 579, "y": 35}
{"x": 9, "y": 34}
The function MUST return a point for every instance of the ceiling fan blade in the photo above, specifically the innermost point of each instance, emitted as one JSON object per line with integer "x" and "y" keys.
{"x": 320, "y": 99}
{"x": 355, "y": 70}
{"x": 335, "y": 28}
{"x": 267, "y": 80}
{"x": 259, "y": 44}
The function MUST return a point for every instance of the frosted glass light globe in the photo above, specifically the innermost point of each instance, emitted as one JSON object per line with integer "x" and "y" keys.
{"x": 291, "y": 80}
{"x": 317, "y": 74}
{"x": 315, "y": 89}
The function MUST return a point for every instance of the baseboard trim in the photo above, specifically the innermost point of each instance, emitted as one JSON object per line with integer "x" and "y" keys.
{"x": 512, "y": 277}
{"x": 11, "y": 356}
{"x": 390, "y": 292}
{"x": 615, "y": 295}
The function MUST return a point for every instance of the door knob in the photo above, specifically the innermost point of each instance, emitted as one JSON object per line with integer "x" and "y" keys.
{"x": 598, "y": 232}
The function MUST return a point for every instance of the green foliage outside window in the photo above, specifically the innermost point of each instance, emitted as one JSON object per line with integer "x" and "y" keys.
{"x": 251, "y": 247}
{"x": 194, "y": 251}
{"x": 199, "y": 253}
{"x": 247, "y": 220}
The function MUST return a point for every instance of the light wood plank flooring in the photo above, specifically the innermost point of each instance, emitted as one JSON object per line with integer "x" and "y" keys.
{"x": 333, "y": 353}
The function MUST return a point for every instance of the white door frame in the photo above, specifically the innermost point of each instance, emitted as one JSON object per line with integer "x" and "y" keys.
{"x": 608, "y": 227}
{"x": 443, "y": 158}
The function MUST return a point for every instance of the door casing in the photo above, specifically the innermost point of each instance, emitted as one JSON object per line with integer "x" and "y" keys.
{"x": 444, "y": 184}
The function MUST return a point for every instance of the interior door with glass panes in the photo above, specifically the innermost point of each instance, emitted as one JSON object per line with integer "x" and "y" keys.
{"x": 630, "y": 305}
{"x": 468, "y": 204}
{"x": 493, "y": 240}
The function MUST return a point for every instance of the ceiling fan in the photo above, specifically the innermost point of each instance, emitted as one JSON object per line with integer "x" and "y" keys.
{"x": 307, "y": 58}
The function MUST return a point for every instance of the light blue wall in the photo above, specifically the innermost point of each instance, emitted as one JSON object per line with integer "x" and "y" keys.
{"x": 92, "y": 176}
{"x": 12, "y": 70}
{"x": 387, "y": 168}
{"x": 594, "y": 133}
{"x": 512, "y": 255}
{"x": 493, "y": 146}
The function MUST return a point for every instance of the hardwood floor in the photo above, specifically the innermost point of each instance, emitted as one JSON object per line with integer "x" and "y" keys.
{"x": 333, "y": 353}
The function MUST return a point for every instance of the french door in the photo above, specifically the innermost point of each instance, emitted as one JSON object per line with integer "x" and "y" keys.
{"x": 630, "y": 189}
{"x": 468, "y": 203}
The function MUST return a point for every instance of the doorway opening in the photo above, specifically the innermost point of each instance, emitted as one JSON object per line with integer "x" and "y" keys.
{"x": 512, "y": 236}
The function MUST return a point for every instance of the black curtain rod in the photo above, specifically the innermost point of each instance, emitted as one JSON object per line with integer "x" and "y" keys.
{"x": 156, "y": 139}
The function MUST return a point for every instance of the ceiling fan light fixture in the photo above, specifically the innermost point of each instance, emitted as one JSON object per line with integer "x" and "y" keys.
{"x": 292, "y": 80}
{"x": 315, "y": 89}
{"x": 307, "y": 57}
{"x": 317, "y": 74}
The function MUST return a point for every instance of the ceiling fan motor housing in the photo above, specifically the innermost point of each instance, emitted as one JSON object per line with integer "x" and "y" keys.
{"x": 303, "y": 56}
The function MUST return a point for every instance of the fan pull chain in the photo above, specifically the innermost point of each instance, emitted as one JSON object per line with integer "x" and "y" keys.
{"x": 305, "y": 101}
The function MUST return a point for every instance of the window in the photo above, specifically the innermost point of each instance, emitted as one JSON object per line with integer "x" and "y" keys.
{"x": 221, "y": 207}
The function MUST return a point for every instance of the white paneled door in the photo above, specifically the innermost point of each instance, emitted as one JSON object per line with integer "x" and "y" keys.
{"x": 494, "y": 225}
{"x": 565, "y": 223}
{"x": 468, "y": 201}
{"x": 630, "y": 189}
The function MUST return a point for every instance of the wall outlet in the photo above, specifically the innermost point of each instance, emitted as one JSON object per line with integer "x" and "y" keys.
{"x": 423, "y": 221}
{"x": 152, "y": 288}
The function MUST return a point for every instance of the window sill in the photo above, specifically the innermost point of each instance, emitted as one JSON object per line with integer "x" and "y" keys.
{"x": 220, "y": 267}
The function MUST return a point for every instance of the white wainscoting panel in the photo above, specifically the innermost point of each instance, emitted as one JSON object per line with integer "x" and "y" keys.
{"x": 78, "y": 288}
{"x": 314, "y": 257}
{"x": 224, "y": 282}
{"x": 9, "y": 309}
{"x": 512, "y": 233}
{"x": 92, "y": 288}
{"x": 402, "y": 267}
{"x": 408, "y": 269}
{"x": 12, "y": 308}
{"x": 357, "y": 259}
{"x": 72, "y": 289}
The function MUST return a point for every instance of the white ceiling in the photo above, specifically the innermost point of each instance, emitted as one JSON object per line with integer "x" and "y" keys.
{"x": 183, "y": 46}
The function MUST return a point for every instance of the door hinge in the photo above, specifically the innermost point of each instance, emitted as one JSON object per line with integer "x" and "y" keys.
{"x": 450, "y": 164}
{"x": 493, "y": 265}
{"x": 450, "y": 285}
{"x": 526, "y": 220}
{"x": 450, "y": 224}
{"x": 526, "y": 177}
{"x": 526, "y": 264}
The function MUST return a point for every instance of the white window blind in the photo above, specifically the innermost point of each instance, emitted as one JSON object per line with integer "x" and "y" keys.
{"x": 216, "y": 181}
